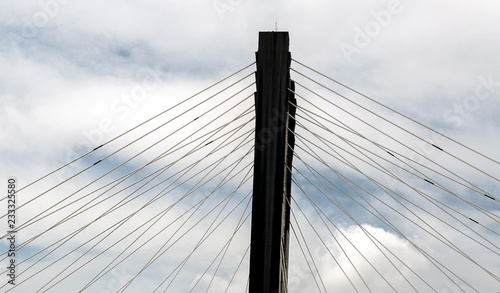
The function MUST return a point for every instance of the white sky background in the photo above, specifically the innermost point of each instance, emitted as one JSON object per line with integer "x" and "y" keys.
{"x": 65, "y": 67}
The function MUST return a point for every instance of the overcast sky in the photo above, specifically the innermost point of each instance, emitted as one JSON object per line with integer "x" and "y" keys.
{"x": 69, "y": 71}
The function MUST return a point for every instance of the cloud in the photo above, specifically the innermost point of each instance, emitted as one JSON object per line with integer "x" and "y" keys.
{"x": 69, "y": 71}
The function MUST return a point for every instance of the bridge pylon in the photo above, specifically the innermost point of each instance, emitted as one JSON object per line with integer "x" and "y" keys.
{"x": 274, "y": 142}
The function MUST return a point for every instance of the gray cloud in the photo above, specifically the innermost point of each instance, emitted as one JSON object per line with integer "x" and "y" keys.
{"x": 65, "y": 67}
